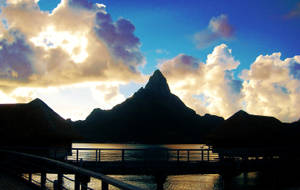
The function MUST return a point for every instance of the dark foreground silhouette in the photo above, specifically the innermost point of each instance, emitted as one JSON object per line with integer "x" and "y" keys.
{"x": 33, "y": 124}
{"x": 255, "y": 131}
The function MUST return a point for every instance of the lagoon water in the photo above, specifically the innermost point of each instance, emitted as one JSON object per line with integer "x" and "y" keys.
{"x": 248, "y": 181}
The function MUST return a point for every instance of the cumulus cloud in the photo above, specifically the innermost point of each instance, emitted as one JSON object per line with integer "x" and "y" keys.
{"x": 218, "y": 28}
{"x": 206, "y": 87}
{"x": 271, "y": 87}
{"x": 120, "y": 39}
{"x": 77, "y": 42}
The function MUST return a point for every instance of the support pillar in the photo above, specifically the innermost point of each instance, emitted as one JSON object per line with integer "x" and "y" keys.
{"x": 104, "y": 185}
{"x": 77, "y": 182}
{"x": 43, "y": 180}
{"x": 30, "y": 177}
{"x": 59, "y": 181}
{"x": 81, "y": 181}
{"x": 84, "y": 180}
{"x": 208, "y": 155}
{"x": 123, "y": 155}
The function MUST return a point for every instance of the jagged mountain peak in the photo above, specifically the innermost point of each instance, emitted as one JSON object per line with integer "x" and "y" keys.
{"x": 158, "y": 84}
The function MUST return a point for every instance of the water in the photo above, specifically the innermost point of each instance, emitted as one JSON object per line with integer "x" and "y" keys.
{"x": 247, "y": 181}
{"x": 112, "y": 152}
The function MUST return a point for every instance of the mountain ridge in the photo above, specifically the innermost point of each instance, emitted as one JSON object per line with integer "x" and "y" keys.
{"x": 152, "y": 112}
{"x": 34, "y": 123}
{"x": 248, "y": 130}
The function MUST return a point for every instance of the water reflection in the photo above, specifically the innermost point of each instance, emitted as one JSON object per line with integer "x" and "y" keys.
{"x": 249, "y": 181}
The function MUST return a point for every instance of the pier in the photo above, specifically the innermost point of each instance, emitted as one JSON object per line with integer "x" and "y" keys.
{"x": 85, "y": 163}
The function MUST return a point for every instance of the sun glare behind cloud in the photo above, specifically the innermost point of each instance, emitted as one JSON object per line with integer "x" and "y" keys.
{"x": 74, "y": 44}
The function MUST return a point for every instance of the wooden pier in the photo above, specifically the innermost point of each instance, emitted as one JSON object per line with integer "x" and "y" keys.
{"x": 88, "y": 162}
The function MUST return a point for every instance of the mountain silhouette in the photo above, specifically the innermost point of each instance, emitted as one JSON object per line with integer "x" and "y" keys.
{"x": 33, "y": 124}
{"x": 152, "y": 115}
{"x": 246, "y": 130}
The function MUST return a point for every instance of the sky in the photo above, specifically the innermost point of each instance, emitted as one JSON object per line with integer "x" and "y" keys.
{"x": 218, "y": 56}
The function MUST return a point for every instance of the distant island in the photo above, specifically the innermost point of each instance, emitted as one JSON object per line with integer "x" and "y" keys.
{"x": 153, "y": 115}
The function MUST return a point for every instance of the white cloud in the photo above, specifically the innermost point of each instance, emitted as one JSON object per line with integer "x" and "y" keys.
{"x": 70, "y": 45}
{"x": 73, "y": 58}
{"x": 270, "y": 88}
{"x": 206, "y": 87}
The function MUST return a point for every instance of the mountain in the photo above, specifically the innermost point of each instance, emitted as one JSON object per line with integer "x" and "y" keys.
{"x": 246, "y": 130}
{"x": 33, "y": 123}
{"x": 152, "y": 115}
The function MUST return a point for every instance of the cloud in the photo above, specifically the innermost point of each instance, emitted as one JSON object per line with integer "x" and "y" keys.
{"x": 15, "y": 58}
{"x": 206, "y": 87}
{"x": 120, "y": 39}
{"x": 271, "y": 87}
{"x": 295, "y": 13}
{"x": 78, "y": 42}
{"x": 218, "y": 28}
{"x": 108, "y": 95}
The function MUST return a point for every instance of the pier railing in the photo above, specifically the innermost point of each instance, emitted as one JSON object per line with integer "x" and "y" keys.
{"x": 150, "y": 154}
{"x": 28, "y": 163}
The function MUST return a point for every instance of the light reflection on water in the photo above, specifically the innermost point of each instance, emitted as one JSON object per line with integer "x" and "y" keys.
{"x": 249, "y": 181}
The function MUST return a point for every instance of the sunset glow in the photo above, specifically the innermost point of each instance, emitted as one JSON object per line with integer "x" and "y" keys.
{"x": 98, "y": 53}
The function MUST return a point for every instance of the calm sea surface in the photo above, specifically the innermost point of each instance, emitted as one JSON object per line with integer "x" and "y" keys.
{"x": 248, "y": 181}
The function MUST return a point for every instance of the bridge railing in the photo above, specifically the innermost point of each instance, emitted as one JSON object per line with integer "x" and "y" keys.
{"x": 27, "y": 163}
{"x": 156, "y": 154}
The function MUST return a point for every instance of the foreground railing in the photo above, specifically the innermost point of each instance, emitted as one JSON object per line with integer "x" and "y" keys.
{"x": 129, "y": 154}
{"x": 28, "y": 163}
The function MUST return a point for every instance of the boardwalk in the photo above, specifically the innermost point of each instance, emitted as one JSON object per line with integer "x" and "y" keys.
{"x": 85, "y": 163}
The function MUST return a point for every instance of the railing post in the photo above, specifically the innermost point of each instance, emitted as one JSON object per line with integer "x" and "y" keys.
{"x": 99, "y": 155}
{"x": 188, "y": 155}
{"x": 43, "y": 180}
{"x": 202, "y": 155}
{"x": 123, "y": 154}
{"x": 104, "y": 185}
{"x": 178, "y": 156}
{"x": 208, "y": 155}
{"x": 77, "y": 155}
{"x": 96, "y": 155}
